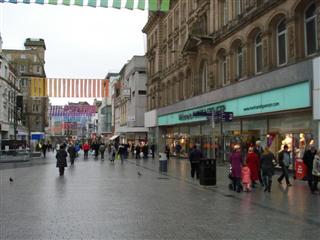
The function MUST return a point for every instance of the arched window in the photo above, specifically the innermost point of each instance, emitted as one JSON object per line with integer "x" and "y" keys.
{"x": 310, "y": 30}
{"x": 223, "y": 70}
{"x": 238, "y": 5}
{"x": 239, "y": 60}
{"x": 282, "y": 42}
{"x": 225, "y": 12}
{"x": 204, "y": 77}
{"x": 258, "y": 53}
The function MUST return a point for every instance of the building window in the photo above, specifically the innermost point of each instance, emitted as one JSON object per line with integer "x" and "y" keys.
{"x": 258, "y": 54}
{"x": 310, "y": 30}
{"x": 238, "y": 7}
{"x": 6, "y": 72}
{"x": 38, "y": 69}
{"x": 223, "y": 70}
{"x": 239, "y": 62}
{"x": 22, "y": 68}
{"x": 23, "y": 56}
{"x": 225, "y": 12}
{"x": 282, "y": 42}
{"x": 142, "y": 92}
{"x": 204, "y": 77}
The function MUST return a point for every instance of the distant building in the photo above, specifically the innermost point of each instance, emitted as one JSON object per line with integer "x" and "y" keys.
{"x": 10, "y": 119}
{"x": 130, "y": 101}
{"x": 30, "y": 63}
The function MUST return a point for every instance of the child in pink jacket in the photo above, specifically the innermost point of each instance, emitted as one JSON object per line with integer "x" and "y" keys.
{"x": 246, "y": 178}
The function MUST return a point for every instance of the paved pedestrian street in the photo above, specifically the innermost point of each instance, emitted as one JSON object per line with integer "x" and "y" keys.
{"x": 99, "y": 200}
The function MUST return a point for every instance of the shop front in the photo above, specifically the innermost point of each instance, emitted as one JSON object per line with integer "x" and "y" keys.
{"x": 276, "y": 117}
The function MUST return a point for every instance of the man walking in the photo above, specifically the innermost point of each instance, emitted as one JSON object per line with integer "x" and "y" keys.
{"x": 284, "y": 162}
{"x": 308, "y": 157}
{"x": 195, "y": 157}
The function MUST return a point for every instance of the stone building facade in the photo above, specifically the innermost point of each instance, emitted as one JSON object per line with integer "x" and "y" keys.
{"x": 30, "y": 62}
{"x": 205, "y": 52}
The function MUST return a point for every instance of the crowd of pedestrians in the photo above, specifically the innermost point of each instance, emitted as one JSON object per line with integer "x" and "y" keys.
{"x": 260, "y": 163}
{"x": 96, "y": 148}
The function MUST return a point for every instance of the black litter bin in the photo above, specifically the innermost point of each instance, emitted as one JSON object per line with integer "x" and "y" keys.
{"x": 208, "y": 172}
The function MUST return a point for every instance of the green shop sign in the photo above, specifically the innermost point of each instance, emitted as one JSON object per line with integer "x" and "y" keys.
{"x": 287, "y": 98}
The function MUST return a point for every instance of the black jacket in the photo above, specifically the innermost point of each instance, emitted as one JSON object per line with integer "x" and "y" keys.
{"x": 195, "y": 156}
{"x": 61, "y": 157}
{"x": 308, "y": 157}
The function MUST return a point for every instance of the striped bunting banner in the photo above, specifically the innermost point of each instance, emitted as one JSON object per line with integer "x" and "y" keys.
{"x": 151, "y": 5}
{"x": 73, "y": 88}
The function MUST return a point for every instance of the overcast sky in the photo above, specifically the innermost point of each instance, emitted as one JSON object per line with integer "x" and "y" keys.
{"x": 81, "y": 42}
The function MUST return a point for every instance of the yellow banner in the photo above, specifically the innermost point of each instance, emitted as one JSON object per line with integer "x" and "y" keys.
{"x": 38, "y": 87}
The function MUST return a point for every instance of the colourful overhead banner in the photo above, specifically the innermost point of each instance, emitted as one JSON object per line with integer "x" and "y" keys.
{"x": 66, "y": 2}
{"x": 78, "y": 2}
{"x": 141, "y": 4}
{"x": 53, "y": 2}
{"x": 92, "y": 3}
{"x": 165, "y": 5}
{"x": 153, "y": 5}
{"x": 37, "y": 87}
{"x": 129, "y": 4}
{"x": 116, "y": 4}
{"x": 104, "y": 3}
{"x": 75, "y": 88}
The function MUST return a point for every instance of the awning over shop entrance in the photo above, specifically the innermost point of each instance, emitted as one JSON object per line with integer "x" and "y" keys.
{"x": 114, "y": 137}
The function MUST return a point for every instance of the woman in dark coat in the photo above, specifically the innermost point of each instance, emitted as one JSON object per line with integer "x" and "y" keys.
{"x": 236, "y": 163}
{"x": 61, "y": 159}
{"x": 267, "y": 167}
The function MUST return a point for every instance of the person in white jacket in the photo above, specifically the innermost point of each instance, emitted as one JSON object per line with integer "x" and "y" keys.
{"x": 316, "y": 171}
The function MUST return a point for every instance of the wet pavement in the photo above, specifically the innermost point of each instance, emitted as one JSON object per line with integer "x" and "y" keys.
{"x": 99, "y": 200}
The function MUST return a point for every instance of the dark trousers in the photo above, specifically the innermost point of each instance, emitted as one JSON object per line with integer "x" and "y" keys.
{"x": 72, "y": 160}
{"x": 260, "y": 177}
{"x": 194, "y": 169}
{"x": 310, "y": 178}
{"x": 284, "y": 174}
{"x": 86, "y": 153}
{"x": 102, "y": 154}
{"x": 61, "y": 170}
{"x": 236, "y": 184}
{"x": 315, "y": 183}
{"x": 267, "y": 179}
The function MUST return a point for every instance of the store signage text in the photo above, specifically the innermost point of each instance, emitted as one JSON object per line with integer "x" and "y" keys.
{"x": 191, "y": 115}
{"x": 262, "y": 106}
